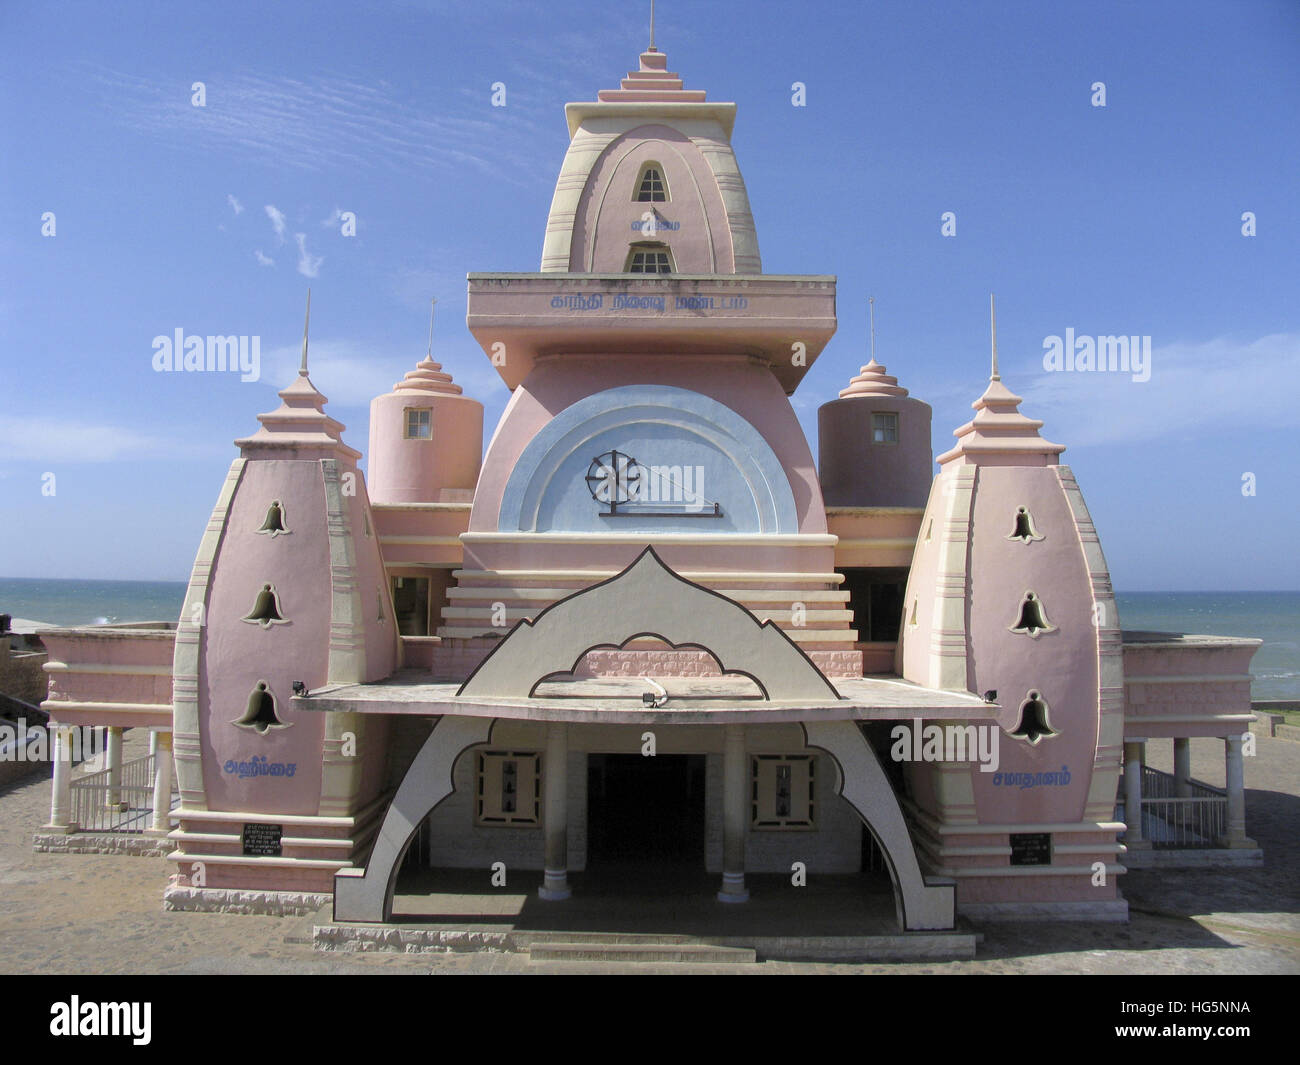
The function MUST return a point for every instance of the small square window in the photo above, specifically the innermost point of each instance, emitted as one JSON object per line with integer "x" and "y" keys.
{"x": 419, "y": 424}
{"x": 884, "y": 427}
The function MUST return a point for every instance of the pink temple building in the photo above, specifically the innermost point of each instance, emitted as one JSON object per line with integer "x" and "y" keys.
{"x": 645, "y": 625}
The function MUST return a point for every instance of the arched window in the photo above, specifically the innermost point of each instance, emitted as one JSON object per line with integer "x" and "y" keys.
{"x": 649, "y": 257}
{"x": 650, "y": 186}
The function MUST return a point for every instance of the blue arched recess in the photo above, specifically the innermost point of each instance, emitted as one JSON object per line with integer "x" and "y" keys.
{"x": 703, "y": 451}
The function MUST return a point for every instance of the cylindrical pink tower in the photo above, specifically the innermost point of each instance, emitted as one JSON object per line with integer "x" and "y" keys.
{"x": 874, "y": 444}
{"x": 426, "y": 439}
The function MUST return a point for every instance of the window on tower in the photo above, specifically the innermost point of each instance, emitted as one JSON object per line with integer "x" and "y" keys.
{"x": 650, "y": 188}
{"x": 649, "y": 258}
{"x": 884, "y": 427}
{"x": 418, "y": 423}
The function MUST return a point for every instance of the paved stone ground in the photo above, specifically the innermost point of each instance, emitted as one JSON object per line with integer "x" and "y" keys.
{"x": 102, "y": 914}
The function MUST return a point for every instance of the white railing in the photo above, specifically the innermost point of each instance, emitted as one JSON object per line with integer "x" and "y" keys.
{"x": 98, "y": 806}
{"x": 1176, "y": 822}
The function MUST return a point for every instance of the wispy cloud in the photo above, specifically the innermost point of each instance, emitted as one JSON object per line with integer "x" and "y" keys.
{"x": 330, "y": 122}
{"x": 263, "y": 260}
{"x": 308, "y": 265}
{"x": 1193, "y": 386}
{"x": 59, "y": 439}
{"x": 335, "y": 217}
{"x": 235, "y": 205}
{"x": 277, "y": 222}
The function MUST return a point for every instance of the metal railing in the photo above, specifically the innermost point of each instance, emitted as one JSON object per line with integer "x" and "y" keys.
{"x": 1177, "y": 822}
{"x": 125, "y": 807}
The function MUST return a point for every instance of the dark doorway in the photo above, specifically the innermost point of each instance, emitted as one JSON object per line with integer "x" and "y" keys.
{"x": 645, "y": 810}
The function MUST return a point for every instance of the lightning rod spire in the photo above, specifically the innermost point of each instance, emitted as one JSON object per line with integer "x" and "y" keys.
{"x": 993, "y": 323}
{"x": 302, "y": 370}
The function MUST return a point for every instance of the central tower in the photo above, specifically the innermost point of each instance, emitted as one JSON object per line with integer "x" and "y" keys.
{"x": 651, "y": 363}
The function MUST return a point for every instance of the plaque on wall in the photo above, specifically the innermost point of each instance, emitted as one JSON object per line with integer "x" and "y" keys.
{"x": 262, "y": 841}
{"x": 1031, "y": 848}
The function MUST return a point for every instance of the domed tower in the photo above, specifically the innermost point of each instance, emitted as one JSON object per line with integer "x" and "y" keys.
{"x": 874, "y": 444}
{"x": 426, "y": 438}
{"x": 650, "y": 183}
{"x": 1009, "y": 595}
{"x": 287, "y": 591}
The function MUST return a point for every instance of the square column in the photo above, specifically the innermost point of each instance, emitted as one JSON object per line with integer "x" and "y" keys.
{"x": 61, "y": 788}
{"x": 735, "y": 820}
{"x": 1235, "y": 834}
{"x": 555, "y": 814}
{"x": 162, "y": 787}
{"x": 1182, "y": 768}
{"x": 1133, "y": 752}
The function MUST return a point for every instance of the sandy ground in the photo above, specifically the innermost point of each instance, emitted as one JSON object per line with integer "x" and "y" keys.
{"x": 102, "y": 914}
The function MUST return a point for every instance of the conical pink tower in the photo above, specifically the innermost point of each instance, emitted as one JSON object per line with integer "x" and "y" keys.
{"x": 288, "y": 588}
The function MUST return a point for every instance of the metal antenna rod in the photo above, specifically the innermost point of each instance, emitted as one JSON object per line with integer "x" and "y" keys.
{"x": 302, "y": 370}
{"x": 871, "y": 308}
{"x": 433, "y": 303}
{"x": 993, "y": 322}
{"x": 652, "y": 25}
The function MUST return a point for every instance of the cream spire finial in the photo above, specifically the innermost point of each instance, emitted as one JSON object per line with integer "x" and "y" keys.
{"x": 302, "y": 370}
{"x": 993, "y": 322}
{"x": 433, "y": 303}
{"x": 652, "y": 26}
{"x": 871, "y": 309}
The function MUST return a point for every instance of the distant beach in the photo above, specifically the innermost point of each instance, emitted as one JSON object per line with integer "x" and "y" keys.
{"x": 1273, "y": 617}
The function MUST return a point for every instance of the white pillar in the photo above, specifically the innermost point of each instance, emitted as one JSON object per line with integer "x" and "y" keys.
{"x": 162, "y": 787}
{"x": 61, "y": 789}
{"x": 1133, "y": 794}
{"x": 114, "y": 759}
{"x": 1235, "y": 835}
{"x": 1182, "y": 768}
{"x": 555, "y": 814}
{"x": 735, "y": 823}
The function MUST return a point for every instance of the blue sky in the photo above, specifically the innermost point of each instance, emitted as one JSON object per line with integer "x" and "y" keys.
{"x": 1117, "y": 220}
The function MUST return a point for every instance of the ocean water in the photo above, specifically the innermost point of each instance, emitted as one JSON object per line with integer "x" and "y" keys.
{"x": 65, "y": 602}
{"x": 1273, "y": 617}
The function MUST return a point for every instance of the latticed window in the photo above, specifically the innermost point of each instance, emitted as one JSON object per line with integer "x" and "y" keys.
{"x": 651, "y": 188}
{"x": 649, "y": 261}
{"x": 884, "y": 427}
{"x": 418, "y": 424}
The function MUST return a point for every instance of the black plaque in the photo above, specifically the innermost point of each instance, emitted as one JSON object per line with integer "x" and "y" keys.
{"x": 1031, "y": 848}
{"x": 262, "y": 841}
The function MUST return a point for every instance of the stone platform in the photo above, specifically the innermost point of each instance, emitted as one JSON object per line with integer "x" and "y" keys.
{"x": 646, "y": 913}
